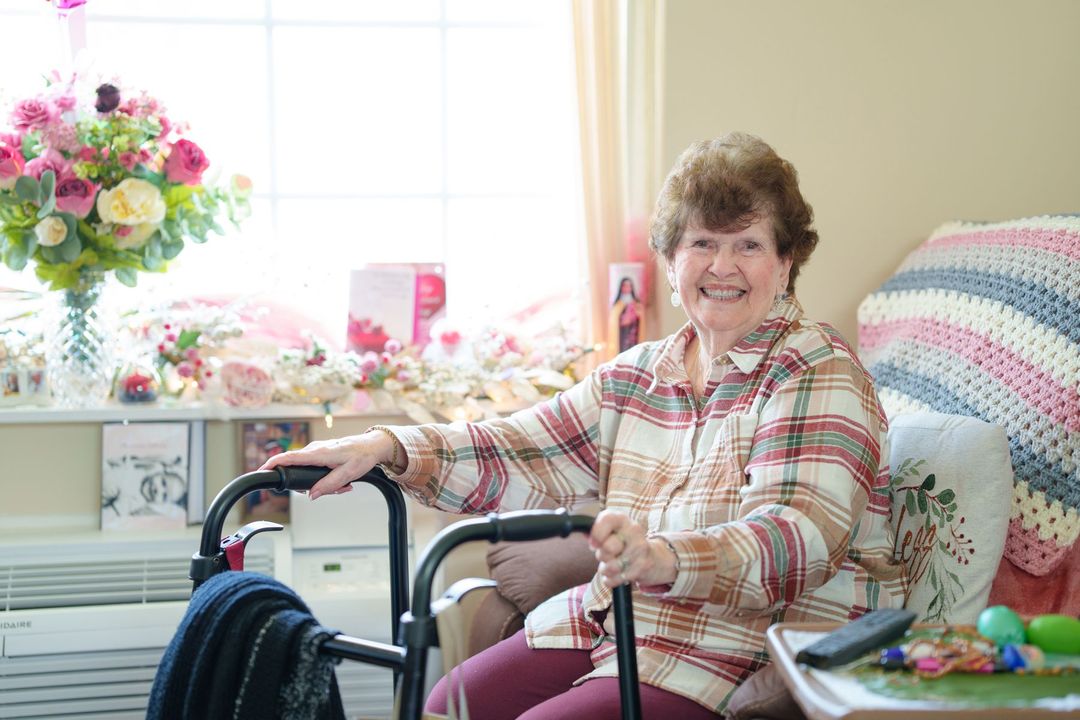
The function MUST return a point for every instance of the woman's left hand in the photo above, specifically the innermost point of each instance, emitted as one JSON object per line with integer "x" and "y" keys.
{"x": 627, "y": 554}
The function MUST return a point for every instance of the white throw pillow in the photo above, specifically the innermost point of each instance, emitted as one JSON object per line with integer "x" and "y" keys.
{"x": 952, "y": 482}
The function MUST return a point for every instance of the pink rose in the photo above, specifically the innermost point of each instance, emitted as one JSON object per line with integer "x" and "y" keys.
{"x": 75, "y": 195}
{"x": 128, "y": 160}
{"x": 87, "y": 153}
{"x": 48, "y": 160}
{"x": 11, "y": 166}
{"x": 31, "y": 114}
{"x": 186, "y": 163}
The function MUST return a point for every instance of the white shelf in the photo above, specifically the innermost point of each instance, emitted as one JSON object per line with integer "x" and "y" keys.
{"x": 115, "y": 412}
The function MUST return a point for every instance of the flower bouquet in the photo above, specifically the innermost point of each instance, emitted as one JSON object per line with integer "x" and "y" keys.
{"x": 97, "y": 182}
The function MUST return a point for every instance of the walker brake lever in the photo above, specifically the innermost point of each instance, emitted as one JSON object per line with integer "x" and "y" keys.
{"x": 234, "y": 545}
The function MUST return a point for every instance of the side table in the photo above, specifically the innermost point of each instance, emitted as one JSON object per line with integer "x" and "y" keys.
{"x": 826, "y": 695}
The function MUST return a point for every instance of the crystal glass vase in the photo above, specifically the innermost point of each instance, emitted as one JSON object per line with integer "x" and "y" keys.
{"x": 79, "y": 352}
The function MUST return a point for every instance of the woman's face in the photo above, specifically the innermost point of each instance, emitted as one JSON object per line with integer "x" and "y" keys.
{"x": 727, "y": 280}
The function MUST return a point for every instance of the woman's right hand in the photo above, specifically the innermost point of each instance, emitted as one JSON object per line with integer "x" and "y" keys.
{"x": 349, "y": 458}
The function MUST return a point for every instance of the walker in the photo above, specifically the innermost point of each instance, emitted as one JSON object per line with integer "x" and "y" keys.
{"x": 416, "y": 631}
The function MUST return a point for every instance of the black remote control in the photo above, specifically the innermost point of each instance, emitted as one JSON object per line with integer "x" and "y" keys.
{"x": 857, "y": 638}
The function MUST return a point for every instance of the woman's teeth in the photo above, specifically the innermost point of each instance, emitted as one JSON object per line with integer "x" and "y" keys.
{"x": 722, "y": 294}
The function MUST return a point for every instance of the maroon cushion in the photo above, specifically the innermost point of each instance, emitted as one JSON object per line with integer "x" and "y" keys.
{"x": 528, "y": 573}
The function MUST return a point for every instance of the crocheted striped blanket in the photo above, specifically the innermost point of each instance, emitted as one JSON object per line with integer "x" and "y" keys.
{"x": 984, "y": 320}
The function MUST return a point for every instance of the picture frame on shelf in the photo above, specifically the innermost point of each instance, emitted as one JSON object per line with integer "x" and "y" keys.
{"x": 259, "y": 440}
{"x": 146, "y": 475}
{"x": 399, "y": 301}
{"x": 23, "y": 385}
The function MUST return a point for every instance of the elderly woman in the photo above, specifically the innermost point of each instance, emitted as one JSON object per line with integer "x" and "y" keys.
{"x": 741, "y": 464}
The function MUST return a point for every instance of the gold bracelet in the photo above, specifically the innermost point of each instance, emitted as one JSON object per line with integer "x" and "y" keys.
{"x": 670, "y": 547}
{"x": 392, "y": 467}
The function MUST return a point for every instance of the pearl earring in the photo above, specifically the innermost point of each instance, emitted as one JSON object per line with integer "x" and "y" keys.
{"x": 676, "y": 300}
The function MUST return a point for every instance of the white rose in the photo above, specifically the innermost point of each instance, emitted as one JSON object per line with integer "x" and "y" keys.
{"x": 132, "y": 202}
{"x": 51, "y": 231}
{"x": 136, "y": 237}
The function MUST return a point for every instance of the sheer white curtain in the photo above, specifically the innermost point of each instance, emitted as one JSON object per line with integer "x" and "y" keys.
{"x": 617, "y": 46}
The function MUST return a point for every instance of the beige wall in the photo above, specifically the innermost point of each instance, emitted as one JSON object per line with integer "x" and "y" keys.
{"x": 53, "y": 469}
{"x": 898, "y": 115}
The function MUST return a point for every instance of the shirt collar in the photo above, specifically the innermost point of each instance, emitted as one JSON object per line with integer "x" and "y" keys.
{"x": 747, "y": 354}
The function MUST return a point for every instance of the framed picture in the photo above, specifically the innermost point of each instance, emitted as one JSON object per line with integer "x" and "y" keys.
{"x": 258, "y": 441}
{"x": 399, "y": 301}
{"x": 626, "y": 318}
{"x": 145, "y": 475}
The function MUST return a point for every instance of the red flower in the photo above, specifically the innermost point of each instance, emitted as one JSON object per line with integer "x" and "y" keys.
{"x": 186, "y": 163}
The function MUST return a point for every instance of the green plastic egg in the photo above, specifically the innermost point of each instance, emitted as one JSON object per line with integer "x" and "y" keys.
{"x": 1002, "y": 625}
{"x": 1055, "y": 634}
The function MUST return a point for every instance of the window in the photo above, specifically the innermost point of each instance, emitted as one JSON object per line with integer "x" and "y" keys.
{"x": 374, "y": 131}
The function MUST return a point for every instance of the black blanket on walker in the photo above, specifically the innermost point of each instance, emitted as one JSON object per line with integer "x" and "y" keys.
{"x": 246, "y": 648}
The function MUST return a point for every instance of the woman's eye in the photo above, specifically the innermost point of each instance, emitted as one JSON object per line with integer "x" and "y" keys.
{"x": 751, "y": 246}
{"x": 700, "y": 243}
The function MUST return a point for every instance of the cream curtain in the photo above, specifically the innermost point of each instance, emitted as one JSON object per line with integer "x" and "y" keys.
{"x": 617, "y": 46}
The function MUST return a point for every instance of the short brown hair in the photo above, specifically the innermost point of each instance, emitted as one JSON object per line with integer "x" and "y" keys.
{"x": 727, "y": 184}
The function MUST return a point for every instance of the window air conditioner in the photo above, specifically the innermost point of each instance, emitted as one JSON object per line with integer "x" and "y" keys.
{"x": 83, "y": 624}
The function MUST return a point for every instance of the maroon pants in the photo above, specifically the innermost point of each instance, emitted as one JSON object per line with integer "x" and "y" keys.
{"x": 508, "y": 680}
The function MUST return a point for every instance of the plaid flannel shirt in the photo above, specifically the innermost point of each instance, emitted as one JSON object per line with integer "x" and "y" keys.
{"x": 772, "y": 491}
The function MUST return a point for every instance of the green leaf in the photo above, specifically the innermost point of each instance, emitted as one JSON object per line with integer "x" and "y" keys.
{"x": 27, "y": 189}
{"x": 48, "y": 186}
{"x": 6, "y": 199}
{"x": 922, "y": 500}
{"x": 951, "y": 508}
{"x": 16, "y": 256}
{"x": 28, "y": 142}
{"x": 51, "y": 254}
{"x": 170, "y": 249}
{"x": 187, "y": 339}
{"x": 946, "y": 496}
{"x": 928, "y": 483}
{"x": 156, "y": 179}
{"x": 909, "y": 501}
{"x": 70, "y": 220}
{"x": 127, "y": 276}
{"x": 152, "y": 254}
{"x": 46, "y": 209}
{"x": 71, "y": 247}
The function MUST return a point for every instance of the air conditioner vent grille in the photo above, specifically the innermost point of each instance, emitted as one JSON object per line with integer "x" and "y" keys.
{"x": 45, "y": 584}
{"x": 105, "y": 684}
